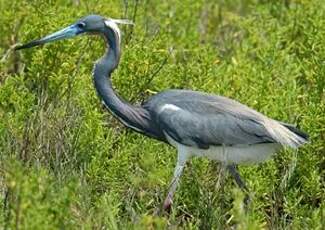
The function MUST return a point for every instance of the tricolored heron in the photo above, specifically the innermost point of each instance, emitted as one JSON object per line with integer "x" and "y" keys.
{"x": 195, "y": 123}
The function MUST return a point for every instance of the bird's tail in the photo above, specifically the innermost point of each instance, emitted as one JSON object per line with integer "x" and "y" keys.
{"x": 286, "y": 134}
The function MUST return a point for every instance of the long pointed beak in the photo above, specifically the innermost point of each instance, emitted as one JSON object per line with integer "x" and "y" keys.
{"x": 67, "y": 32}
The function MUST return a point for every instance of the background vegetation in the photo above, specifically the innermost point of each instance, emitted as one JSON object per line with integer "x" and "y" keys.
{"x": 66, "y": 163}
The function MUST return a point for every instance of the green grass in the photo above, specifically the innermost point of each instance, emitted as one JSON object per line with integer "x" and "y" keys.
{"x": 66, "y": 163}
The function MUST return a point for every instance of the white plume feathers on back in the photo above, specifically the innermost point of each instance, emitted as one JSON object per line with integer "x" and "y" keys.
{"x": 122, "y": 21}
{"x": 112, "y": 23}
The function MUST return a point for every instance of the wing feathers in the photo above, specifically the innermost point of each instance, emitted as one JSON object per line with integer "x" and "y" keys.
{"x": 194, "y": 118}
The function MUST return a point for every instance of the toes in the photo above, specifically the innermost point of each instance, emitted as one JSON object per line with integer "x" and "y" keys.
{"x": 167, "y": 205}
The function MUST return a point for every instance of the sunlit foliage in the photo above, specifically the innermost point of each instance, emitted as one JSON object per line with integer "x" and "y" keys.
{"x": 66, "y": 163}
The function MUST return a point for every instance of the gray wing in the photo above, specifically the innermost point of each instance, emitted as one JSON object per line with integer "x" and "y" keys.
{"x": 198, "y": 119}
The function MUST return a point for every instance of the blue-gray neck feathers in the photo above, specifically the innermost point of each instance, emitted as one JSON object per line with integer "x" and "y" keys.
{"x": 134, "y": 117}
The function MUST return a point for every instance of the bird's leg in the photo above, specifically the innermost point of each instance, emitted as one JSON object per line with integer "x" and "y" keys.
{"x": 235, "y": 174}
{"x": 172, "y": 187}
{"x": 233, "y": 171}
{"x": 221, "y": 177}
{"x": 182, "y": 158}
{"x": 221, "y": 174}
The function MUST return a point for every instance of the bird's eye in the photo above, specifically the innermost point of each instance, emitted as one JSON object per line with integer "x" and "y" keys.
{"x": 81, "y": 25}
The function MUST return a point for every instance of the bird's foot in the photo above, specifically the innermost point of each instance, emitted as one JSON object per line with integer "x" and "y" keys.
{"x": 165, "y": 208}
{"x": 247, "y": 201}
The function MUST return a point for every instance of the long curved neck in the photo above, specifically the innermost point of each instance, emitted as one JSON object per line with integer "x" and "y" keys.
{"x": 134, "y": 117}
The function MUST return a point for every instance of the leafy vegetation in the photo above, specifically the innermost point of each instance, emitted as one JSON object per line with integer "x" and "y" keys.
{"x": 66, "y": 163}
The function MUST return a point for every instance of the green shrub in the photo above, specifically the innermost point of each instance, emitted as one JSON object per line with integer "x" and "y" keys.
{"x": 65, "y": 162}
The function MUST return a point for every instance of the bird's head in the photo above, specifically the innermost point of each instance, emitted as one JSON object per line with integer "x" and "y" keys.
{"x": 89, "y": 24}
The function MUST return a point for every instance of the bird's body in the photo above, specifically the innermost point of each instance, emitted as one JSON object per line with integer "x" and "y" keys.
{"x": 196, "y": 123}
{"x": 203, "y": 120}
{"x": 215, "y": 127}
